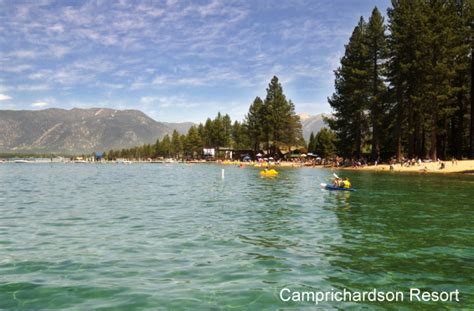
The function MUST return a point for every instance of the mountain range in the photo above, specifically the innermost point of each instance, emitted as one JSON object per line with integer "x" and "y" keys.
{"x": 312, "y": 123}
{"x": 78, "y": 131}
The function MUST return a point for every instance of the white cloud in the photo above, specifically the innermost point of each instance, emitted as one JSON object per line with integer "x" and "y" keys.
{"x": 17, "y": 68}
{"x": 32, "y": 87}
{"x": 4, "y": 97}
{"x": 39, "y": 104}
{"x": 59, "y": 51}
{"x": 24, "y": 54}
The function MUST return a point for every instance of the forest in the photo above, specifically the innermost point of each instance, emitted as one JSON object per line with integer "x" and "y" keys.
{"x": 270, "y": 125}
{"x": 404, "y": 87}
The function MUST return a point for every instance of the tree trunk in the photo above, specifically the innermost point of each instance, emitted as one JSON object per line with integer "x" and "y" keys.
{"x": 418, "y": 139}
{"x": 458, "y": 133}
{"x": 358, "y": 137}
{"x": 374, "y": 113}
{"x": 398, "y": 126}
{"x": 434, "y": 137}
{"x": 471, "y": 133}
{"x": 411, "y": 135}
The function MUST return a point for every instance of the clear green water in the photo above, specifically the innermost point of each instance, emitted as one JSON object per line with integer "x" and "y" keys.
{"x": 178, "y": 237}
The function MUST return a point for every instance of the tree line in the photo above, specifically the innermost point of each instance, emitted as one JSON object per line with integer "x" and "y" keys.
{"x": 270, "y": 125}
{"x": 404, "y": 87}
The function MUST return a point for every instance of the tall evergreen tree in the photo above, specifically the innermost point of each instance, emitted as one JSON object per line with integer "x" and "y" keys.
{"x": 176, "y": 147}
{"x": 324, "y": 143}
{"x": 377, "y": 54}
{"x": 311, "y": 143}
{"x": 254, "y": 121}
{"x": 281, "y": 125}
{"x": 408, "y": 48}
{"x": 350, "y": 100}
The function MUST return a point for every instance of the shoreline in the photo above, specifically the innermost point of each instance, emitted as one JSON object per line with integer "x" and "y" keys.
{"x": 465, "y": 167}
{"x": 459, "y": 167}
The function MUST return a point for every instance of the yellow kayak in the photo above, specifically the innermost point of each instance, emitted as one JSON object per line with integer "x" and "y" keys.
{"x": 271, "y": 172}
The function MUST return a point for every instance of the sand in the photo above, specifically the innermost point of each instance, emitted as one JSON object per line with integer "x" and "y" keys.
{"x": 464, "y": 166}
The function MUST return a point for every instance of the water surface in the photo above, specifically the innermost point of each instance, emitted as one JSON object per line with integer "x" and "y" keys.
{"x": 81, "y": 236}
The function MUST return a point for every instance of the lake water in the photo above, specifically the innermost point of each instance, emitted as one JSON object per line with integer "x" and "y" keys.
{"x": 173, "y": 237}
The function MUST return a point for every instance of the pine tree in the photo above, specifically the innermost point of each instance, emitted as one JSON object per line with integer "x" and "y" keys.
{"x": 408, "y": 46}
{"x": 280, "y": 124}
{"x": 350, "y": 101}
{"x": 254, "y": 124}
{"x": 176, "y": 147}
{"x": 311, "y": 143}
{"x": 193, "y": 141}
{"x": 165, "y": 146}
{"x": 324, "y": 143}
{"x": 377, "y": 53}
{"x": 292, "y": 131}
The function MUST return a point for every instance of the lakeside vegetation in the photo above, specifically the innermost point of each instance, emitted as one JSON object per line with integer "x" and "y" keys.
{"x": 405, "y": 88}
{"x": 271, "y": 125}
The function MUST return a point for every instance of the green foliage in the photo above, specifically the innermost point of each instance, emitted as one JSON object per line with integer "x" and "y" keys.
{"x": 325, "y": 143}
{"x": 280, "y": 125}
{"x": 351, "y": 99}
{"x": 407, "y": 92}
{"x": 273, "y": 121}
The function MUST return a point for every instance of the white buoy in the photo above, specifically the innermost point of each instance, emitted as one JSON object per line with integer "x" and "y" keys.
{"x": 222, "y": 173}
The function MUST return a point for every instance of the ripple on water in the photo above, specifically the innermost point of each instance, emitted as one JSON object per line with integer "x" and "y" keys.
{"x": 180, "y": 237}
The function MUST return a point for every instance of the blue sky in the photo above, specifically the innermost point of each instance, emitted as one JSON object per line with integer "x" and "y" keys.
{"x": 174, "y": 60}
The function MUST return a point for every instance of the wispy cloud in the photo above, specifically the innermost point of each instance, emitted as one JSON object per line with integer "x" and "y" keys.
{"x": 113, "y": 52}
{"x": 39, "y": 104}
{"x": 4, "y": 97}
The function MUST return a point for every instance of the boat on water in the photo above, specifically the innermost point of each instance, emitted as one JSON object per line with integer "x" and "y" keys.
{"x": 269, "y": 173}
{"x": 23, "y": 161}
{"x": 331, "y": 187}
{"x": 80, "y": 161}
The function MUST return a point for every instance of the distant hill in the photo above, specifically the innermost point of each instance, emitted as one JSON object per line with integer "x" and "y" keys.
{"x": 312, "y": 124}
{"x": 79, "y": 130}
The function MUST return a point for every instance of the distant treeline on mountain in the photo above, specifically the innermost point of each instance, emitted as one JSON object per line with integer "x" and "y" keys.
{"x": 271, "y": 125}
{"x": 405, "y": 88}
{"x": 78, "y": 131}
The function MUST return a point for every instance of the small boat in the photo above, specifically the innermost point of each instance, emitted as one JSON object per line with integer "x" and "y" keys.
{"x": 79, "y": 161}
{"x": 23, "y": 161}
{"x": 270, "y": 172}
{"x": 331, "y": 187}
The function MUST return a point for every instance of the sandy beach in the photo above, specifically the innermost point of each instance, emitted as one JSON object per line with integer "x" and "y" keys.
{"x": 464, "y": 166}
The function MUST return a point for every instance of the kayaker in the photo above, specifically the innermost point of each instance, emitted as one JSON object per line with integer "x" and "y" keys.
{"x": 337, "y": 182}
{"x": 346, "y": 183}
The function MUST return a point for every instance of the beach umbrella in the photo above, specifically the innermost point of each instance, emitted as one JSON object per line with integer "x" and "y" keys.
{"x": 259, "y": 154}
{"x": 303, "y": 155}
